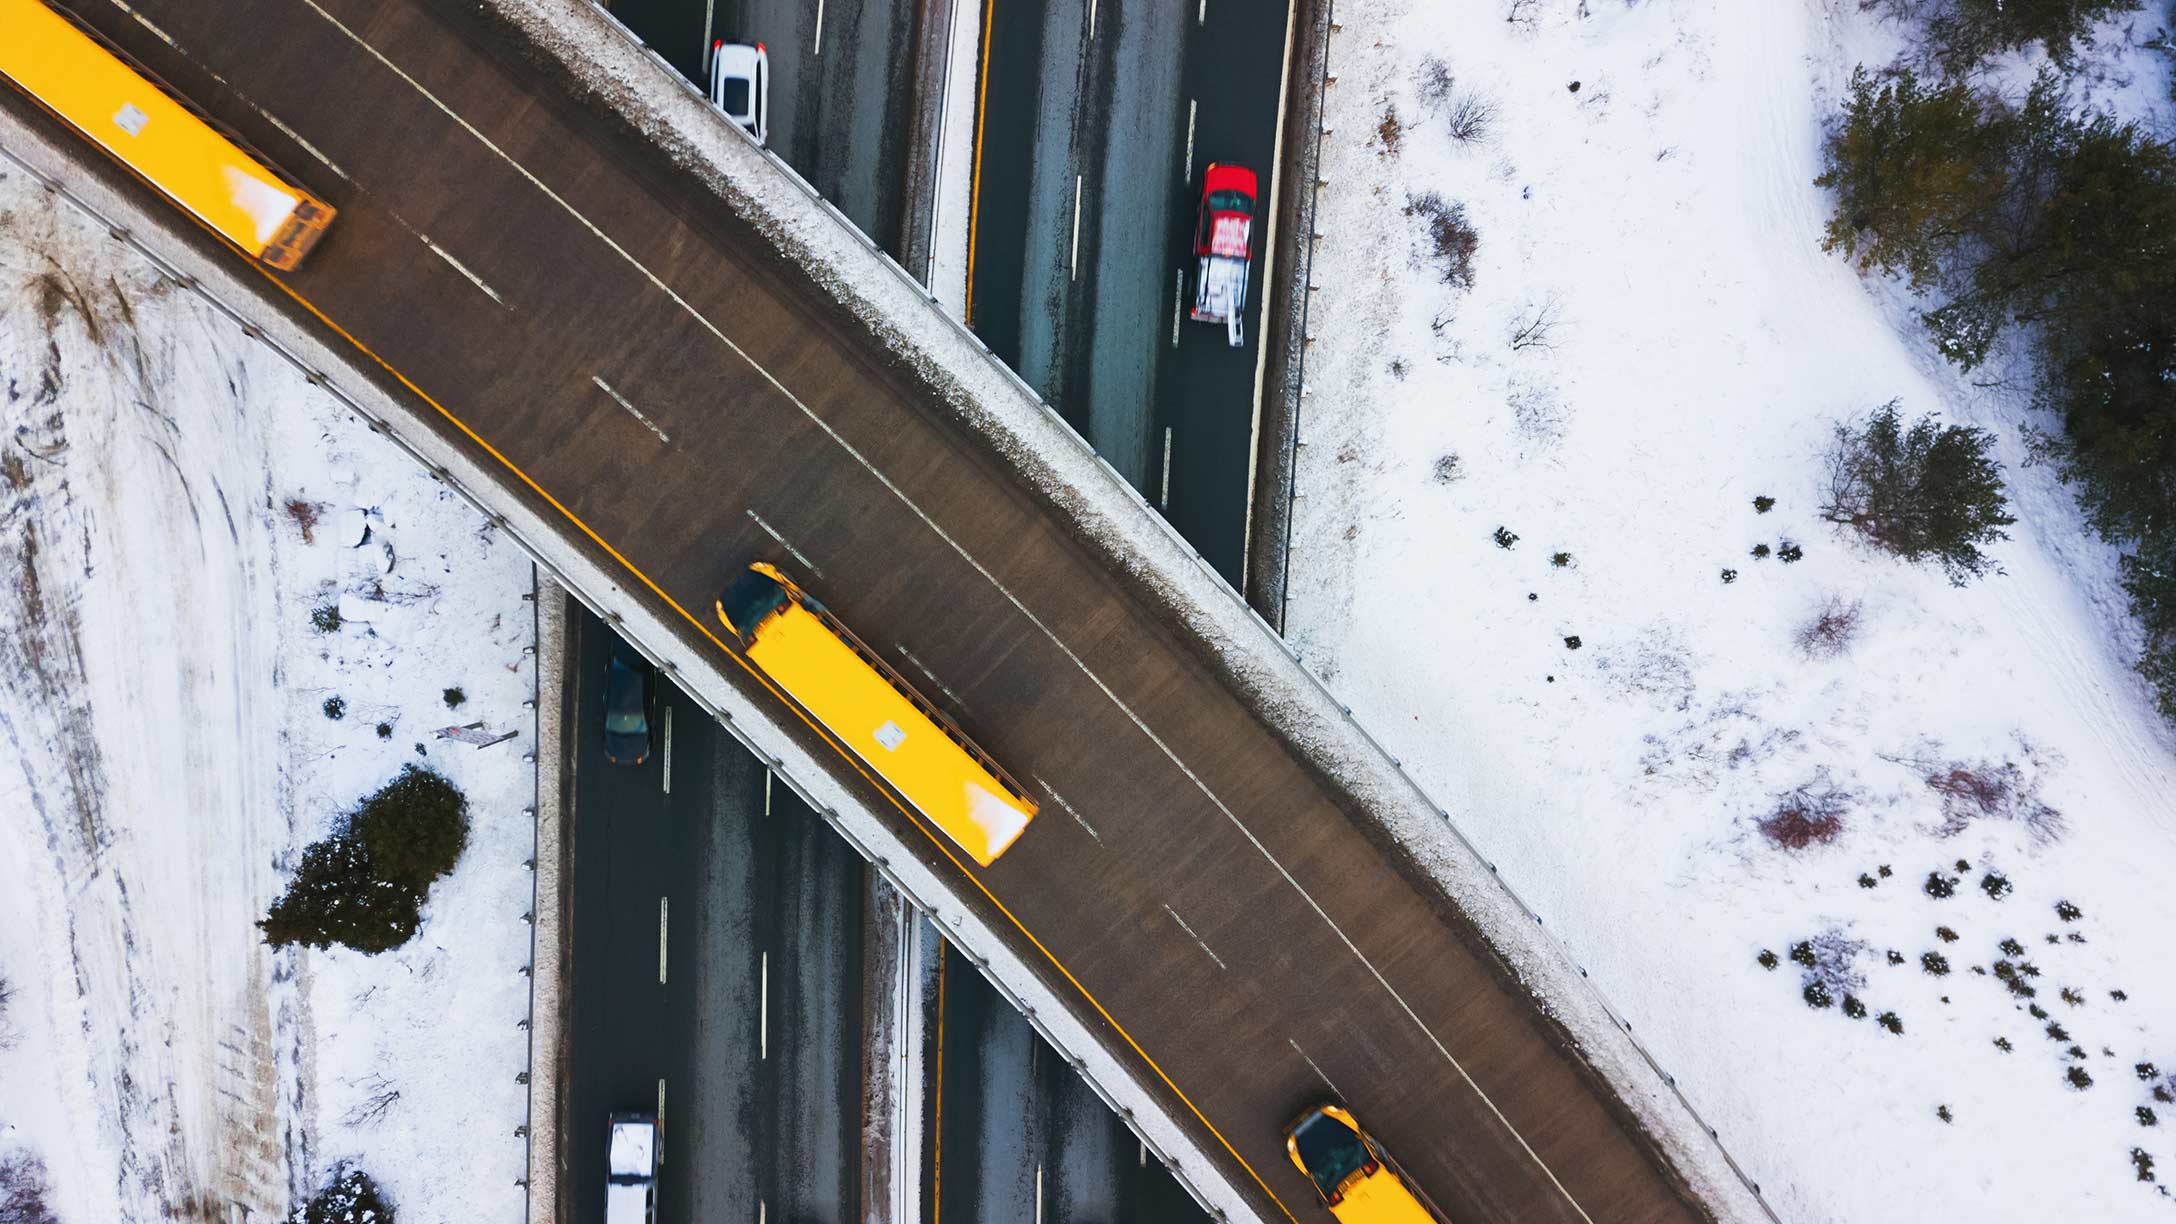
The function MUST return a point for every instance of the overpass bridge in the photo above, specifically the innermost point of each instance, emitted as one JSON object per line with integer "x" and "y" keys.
{"x": 579, "y": 294}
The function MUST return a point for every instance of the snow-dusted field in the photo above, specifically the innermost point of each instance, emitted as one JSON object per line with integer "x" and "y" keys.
{"x": 174, "y": 504}
{"x": 1704, "y": 345}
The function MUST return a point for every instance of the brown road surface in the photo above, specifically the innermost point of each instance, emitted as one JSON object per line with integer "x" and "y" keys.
{"x": 543, "y": 278}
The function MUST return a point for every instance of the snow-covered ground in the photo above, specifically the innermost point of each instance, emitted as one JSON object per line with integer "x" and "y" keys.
{"x": 1647, "y": 178}
{"x": 175, "y": 502}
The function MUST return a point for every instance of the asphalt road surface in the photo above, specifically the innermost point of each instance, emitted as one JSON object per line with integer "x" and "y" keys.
{"x": 1021, "y": 1138}
{"x": 1089, "y": 152}
{"x": 1245, "y": 939}
{"x": 840, "y": 87}
{"x": 717, "y": 930}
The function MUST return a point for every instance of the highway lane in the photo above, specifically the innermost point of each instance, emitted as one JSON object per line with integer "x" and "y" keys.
{"x": 840, "y": 89}
{"x": 1089, "y": 152}
{"x": 1022, "y": 1139}
{"x": 717, "y": 929}
{"x": 1248, "y": 942}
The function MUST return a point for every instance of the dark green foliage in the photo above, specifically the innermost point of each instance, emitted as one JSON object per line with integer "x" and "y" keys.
{"x": 2068, "y": 912}
{"x": 1760, "y": 552}
{"x": 1895, "y": 957}
{"x": 2056, "y": 1032}
{"x": 1929, "y": 492}
{"x": 1788, "y": 552}
{"x": 1889, "y": 1020}
{"x": 1560, "y": 560}
{"x": 326, "y": 619}
{"x": 1939, "y": 886}
{"x": 2072, "y": 997}
{"x": 350, "y": 1198}
{"x": 1763, "y": 504}
{"x": 2146, "y": 1070}
{"x": 1504, "y": 537}
{"x": 1729, "y": 576}
{"x": 339, "y": 897}
{"x": 385, "y": 730}
{"x": 1572, "y": 642}
{"x": 1802, "y": 952}
{"x": 2003, "y": 1044}
{"x": 2146, "y": 1116}
{"x": 1942, "y": 1112}
{"x": 1853, "y": 1008}
{"x": 2077, "y": 1077}
{"x": 335, "y": 708}
{"x": 2142, "y": 1162}
{"x": 2011, "y": 947}
{"x": 1766, "y": 958}
{"x": 1934, "y": 963}
{"x": 1944, "y": 934}
{"x": 1995, "y": 885}
{"x": 1963, "y": 33}
{"x": 1916, "y": 169}
{"x": 455, "y": 698}
{"x": 1867, "y": 881}
{"x": 1816, "y": 994}
{"x": 415, "y": 826}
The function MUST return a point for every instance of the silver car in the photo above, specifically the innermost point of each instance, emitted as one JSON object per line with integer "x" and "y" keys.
{"x": 740, "y": 85}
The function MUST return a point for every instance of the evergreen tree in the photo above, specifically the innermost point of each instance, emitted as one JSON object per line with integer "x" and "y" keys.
{"x": 350, "y": 1198}
{"x": 1915, "y": 170}
{"x": 1929, "y": 492}
{"x": 414, "y": 827}
{"x": 1963, "y": 33}
{"x": 339, "y": 896}
{"x": 2149, "y": 577}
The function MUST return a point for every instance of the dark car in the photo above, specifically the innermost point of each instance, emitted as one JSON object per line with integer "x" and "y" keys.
{"x": 626, "y": 713}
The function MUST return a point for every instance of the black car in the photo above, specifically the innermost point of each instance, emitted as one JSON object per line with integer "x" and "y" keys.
{"x": 626, "y": 713}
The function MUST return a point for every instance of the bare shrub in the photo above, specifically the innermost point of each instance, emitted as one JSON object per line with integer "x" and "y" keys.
{"x": 1812, "y": 814}
{"x": 1972, "y": 791}
{"x": 1832, "y": 629}
{"x": 1522, "y": 13}
{"x": 379, "y": 1097}
{"x": 1537, "y": 412}
{"x": 1450, "y": 239}
{"x": 1432, "y": 84}
{"x": 23, "y": 1190}
{"x": 1470, "y": 118}
{"x": 1655, "y": 665}
{"x": 1449, "y": 469}
{"x": 1831, "y": 961}
{"x": 1535, "y": 326}
{"x": 1390, "y": 131}
{"x": 305, "y": 514}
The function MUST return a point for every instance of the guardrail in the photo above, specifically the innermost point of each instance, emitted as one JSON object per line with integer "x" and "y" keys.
{"x": 1118, "y": 484}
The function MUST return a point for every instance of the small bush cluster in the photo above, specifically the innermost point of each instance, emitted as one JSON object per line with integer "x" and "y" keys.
{"x": 1889, "y": 1020}
{"x": 2077, "y": 1077}
{"x": 1853, "y": 1008}
{"x": 2143, "y": 1163}
{"x": 2068, "y": 912}
{"x": 1939, "y": 886}
{"x": 1832, "y": 629}
{"x": 1995, "y": 885}
{"x": 1934, "y": 963}
{"x": 1448, "y": 238}
{"x": 1808, "y": 815}
{"x": 350, "y": 1198}
{"x": 1504, "y": 537}
{"x": 1767, "y": 959}
{"x": 326, "y": 618}
{"x": 364, "y": 887}
{"x": 23, "y": 1190}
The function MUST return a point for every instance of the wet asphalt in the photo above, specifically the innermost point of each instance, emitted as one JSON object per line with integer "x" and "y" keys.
{"x": 746, "y": 1006}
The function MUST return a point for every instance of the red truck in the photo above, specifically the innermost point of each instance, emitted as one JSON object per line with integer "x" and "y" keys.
{"x": 1222, "y": 237}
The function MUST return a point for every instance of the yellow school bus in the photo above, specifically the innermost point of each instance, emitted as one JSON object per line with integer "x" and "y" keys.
{"x": 64, "y": 69}
{"x": 848, "y": 688}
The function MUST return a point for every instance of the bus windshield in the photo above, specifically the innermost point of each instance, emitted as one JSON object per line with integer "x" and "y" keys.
{"x": 1330, "y": 1151}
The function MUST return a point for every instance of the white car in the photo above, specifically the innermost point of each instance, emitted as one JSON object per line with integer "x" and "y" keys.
{"x": 740, "y": 85}
{"x": 630, "y": 1192}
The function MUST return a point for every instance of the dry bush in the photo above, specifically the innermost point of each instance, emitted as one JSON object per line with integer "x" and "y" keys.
{"x": 1470, "y": 118}
{"x": 1389, "y": 132}
{"x": 1537, "y": 412}
{"x": 1992, "y": 790}
{"x": 1432, "y": 84}
{"x": 1832, "y": 629}
{"x": 1451, "y": 239}
{"x": 23, "y": 1190}
{"x": 1536, "y": 325}
{"x": 1808, "y": 815}
{"x": 305, "y": 514}
{"x": 1655, "y": 665}
{"x": 1449, "y": 469}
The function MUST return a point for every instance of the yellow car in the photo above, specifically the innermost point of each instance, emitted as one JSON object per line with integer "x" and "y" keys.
{"x": 1349, "y": 1170}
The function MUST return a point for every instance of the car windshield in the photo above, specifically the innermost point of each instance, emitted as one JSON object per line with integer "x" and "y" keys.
{"x": 624, "y": 722}
{"x": 733, "y": 95}
{"x": 1231, "y": 201}
{"x": 1330, "y": 1152}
